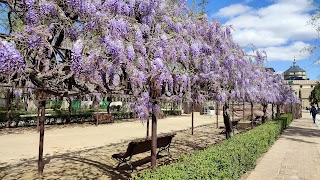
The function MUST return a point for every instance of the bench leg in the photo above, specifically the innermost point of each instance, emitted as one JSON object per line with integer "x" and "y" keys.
{"x": 125, "y": 160}
{"x": 167, "y": 148}
{"x": 234, "y": 127}
{"x": 130, "y": 165}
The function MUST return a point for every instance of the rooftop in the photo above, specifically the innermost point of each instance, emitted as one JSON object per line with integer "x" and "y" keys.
{"x": 294, "y": 68}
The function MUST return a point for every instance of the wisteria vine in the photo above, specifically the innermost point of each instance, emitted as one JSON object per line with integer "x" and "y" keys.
{"x": 151, "y": 50}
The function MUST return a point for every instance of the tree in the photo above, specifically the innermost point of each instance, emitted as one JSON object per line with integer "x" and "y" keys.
{"x": 314, "y": 21}
{"x": 203, "y": 4}
{"x": 314, "y": 96}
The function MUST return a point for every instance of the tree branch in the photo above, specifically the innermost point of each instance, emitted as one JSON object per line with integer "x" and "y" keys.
{"x": 4, "y": 35}
{"x": 10, "y": 23}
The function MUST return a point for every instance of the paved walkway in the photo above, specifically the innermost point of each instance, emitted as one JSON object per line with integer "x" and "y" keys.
{"x": 295, "y": 155}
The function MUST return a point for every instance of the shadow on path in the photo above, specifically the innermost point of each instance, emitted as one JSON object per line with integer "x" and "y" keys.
{"x": 97, "y": 163}
{"x": 299, "y": 131}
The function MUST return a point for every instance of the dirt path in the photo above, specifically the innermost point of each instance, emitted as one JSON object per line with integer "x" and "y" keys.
{"x": 25, "y": 145}
{"x": 84, "y": 151}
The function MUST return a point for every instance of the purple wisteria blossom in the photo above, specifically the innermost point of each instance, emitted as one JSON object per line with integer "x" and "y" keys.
{"x": 138, "y": 47}
{"x": 11, "y": 60}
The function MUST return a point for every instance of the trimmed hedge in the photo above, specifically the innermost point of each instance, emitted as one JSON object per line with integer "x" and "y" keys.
{"x": 228, "y": 160}
{"x": 172, "y": 112}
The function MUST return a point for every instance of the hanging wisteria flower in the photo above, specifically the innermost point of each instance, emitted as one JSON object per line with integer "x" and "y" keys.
{"x": 10, "y": 59}
{"x": 47, "y": 8}
{"x": 195, "y": 50}
{"x": 81, "y": 65}
{"x": 32, "y": 17}
{"x": 72, "y": 33}
{"x": 116, "y": 80}
{"x": 29, "y": 3}
{"x": 130, "y": 52}
{"x": 75, "y": 4}
{"x": 18, "y": 93}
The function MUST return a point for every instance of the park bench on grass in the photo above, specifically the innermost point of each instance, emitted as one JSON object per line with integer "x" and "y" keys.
{"x": 143, "y": 145}
{"x": 102, "y": 117}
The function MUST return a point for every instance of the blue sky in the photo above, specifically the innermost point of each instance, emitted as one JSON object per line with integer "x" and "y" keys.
{"x": 278, "y": 26}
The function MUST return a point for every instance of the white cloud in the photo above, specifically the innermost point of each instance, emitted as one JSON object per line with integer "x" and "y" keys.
{"x": 317, "y": 62}
{"x": 287, "y": 53}
{"x": 259, "y": 38}
{"x": 233, "y": 10}
{"x": 276, "y": 25}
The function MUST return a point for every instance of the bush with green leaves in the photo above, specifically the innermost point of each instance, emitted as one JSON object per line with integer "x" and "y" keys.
{"x": 228, "y": 160}
{"x": 172, "y": 112}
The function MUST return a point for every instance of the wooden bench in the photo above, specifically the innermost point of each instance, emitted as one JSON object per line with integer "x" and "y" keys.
{"x": 235, "y": 124}
{"x": 102, "y": 117}
{"x": 141, "y": 146}
{"x": 256, "y": 119}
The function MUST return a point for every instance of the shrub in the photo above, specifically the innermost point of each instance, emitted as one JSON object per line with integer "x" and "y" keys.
{"x": 228, "y": 160}
{"x": 172, "y": 112}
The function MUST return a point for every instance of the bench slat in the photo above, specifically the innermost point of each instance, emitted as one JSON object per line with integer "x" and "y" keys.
{"x": 101, "y": 117}
{"x": 143, "y": 145}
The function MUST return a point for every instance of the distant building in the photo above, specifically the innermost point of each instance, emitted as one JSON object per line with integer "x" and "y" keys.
{"x": 302, "y": 89}
{"x": 295, "y": 73}
{"x": 297, "y": 79}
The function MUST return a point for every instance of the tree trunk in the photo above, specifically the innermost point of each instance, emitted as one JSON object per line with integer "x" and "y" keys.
{"x": 68, "y": 120}
{"x": 294, "y": 111}
{"x": 264, "y": 109}
{"x": 217, "y": 115}
{"x": 38, "y": 115}
{"x": 95, "y": 104}
{"x": 25, "y": 101}
{"x": 278, "y": 110}
{"x": 40, "y": 159}
{"x": 8, "y": 108}
{"x": 232, "y": 108}
{"x": 192, "y": 119}
{"x": 251, "y": 116}
{"x": 272, "y": 110}
{"x": 148, "y": 128}
{"x": 109, "y": 99}
{"x": 154, "y": 140}
{"x": 227, "y": 121}
{"x": 243, "y": 111}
